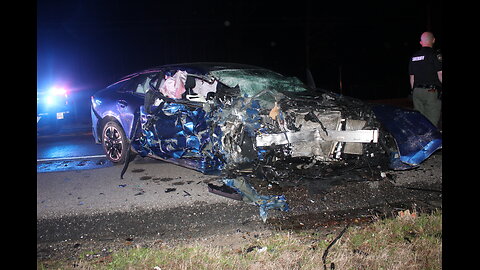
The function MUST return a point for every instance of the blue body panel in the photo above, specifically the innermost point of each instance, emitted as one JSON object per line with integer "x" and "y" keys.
{"x": 119, "y": 105}
{"x": 180, "y": 134}
{"x": 417, "y": 138}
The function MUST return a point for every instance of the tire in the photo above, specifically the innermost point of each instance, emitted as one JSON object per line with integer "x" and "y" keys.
{"x": 114, "y": 142}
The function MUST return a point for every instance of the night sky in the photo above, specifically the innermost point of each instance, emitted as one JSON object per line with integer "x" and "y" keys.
{"x": 90, "y": 44}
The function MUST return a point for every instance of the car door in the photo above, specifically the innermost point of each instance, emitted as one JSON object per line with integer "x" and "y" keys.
{"x": 129, "y": 98}
{"x": 179, "y": 130}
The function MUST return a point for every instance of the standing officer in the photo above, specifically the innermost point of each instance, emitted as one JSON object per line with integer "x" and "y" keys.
{"x": 425, "y": 70}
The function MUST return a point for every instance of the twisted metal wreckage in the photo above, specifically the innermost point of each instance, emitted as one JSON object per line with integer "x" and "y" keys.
{"x": 237, "y": 122}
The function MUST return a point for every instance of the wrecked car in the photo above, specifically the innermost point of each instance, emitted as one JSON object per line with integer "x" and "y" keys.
{"x": 232, "y": 119}
{"x": 215, "y": 117}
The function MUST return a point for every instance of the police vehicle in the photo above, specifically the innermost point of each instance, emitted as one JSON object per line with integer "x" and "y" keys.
{"x": 53, "y": 108}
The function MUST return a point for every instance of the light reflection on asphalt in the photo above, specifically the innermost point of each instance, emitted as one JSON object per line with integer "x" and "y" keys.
{"x": 71, "y": 164}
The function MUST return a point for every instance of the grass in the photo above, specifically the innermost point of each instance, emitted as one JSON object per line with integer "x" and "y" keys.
{"x": 407, "y": 241}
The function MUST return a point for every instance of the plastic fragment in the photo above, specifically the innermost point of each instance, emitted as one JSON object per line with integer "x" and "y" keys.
{"x": 170, "y": 190}
{"x": 265, "y": 202}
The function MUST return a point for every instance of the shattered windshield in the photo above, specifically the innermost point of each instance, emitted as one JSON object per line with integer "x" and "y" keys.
{"x": 252, "y": 81}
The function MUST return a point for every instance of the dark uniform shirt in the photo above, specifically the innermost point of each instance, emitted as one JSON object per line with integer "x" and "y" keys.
{"x": 424, "y": 65}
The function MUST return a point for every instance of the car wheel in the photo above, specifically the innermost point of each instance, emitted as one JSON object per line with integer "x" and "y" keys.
{"x": 114, "y": 142}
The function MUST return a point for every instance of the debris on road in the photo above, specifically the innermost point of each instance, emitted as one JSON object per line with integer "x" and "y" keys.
{"x": 265, "y": 202}
{"x": 224, "y": 191}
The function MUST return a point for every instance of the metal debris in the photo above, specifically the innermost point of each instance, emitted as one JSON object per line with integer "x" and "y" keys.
{"x": 250, "y": 195}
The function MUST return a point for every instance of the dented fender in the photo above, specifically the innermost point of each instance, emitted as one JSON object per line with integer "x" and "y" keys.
{"x": 416, "y": 137}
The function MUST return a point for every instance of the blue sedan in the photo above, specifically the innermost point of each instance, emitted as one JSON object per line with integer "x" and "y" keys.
{"x": 223, "y": 117}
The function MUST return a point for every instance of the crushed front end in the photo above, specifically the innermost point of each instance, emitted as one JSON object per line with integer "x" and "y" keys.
{"x": 289, "y": 137}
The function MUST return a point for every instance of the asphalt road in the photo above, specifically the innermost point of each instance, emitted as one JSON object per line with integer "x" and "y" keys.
{"x": 67, "y": 146}
{"x": 94, "y": 209}
{"x": 71, "y": 148}
{"x": 83, "y": 204}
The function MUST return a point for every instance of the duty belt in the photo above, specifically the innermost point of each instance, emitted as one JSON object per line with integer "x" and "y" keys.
{"x": 427, "y": 86}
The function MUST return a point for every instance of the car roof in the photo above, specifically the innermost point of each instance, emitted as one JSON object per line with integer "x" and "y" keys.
{"x": 205, "y": 67}
{"x": 199, "y": 68}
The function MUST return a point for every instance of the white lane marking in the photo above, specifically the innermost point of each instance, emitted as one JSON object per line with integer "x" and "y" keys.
{"x": 67, "y": 158}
